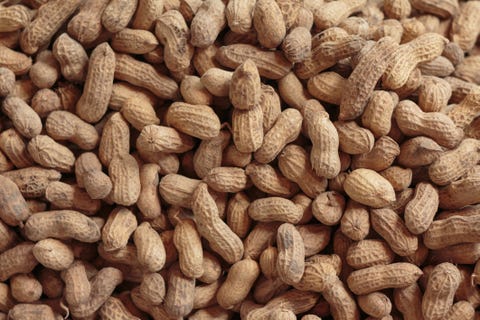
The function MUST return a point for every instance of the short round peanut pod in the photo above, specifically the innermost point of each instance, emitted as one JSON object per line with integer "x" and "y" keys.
{"x": 328, "y": 207}
{"x": 25, "y": 288}
{"x": 45, "y": 71}
{"x": 53, "y": 254}
{"x": 239, "y": 282}
{"x": 375, "y": 304}
{"x": 369, "y": 188}
{"x": 153, "y": 288}
{"x": 7, "y": 81}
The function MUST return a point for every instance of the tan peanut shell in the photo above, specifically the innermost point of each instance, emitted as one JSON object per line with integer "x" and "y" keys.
{"x": 391, "y": 227}
{"x": 19, "y": 259}
{"x": 361, "y": 82}
{"x": 269, "y": 180}
{"x": 408, "y": 301}
{"x": 189, "y": 248}
{"x": 120, "y": 224}
{"x": 25, "y": 288}
{"x": 446, "y": 168}
{"x": 144, "y": 75}
{"x": 295, "y": 165}
{"x": 275, "y": 209}
{"x": 453, "y": 230}
{"x": 369, "y": 252}
{"x": 32, "y": 181}
{"x": 30, "y": 311}
{"x": 14, "y": 209}
{"x": 150, "y": 247}
{"x": 238, "y": 283}
{"x": 324, "y": 154}
{"x": 291, "y": 254}
{"x": 53, "y": 254}
{"x": 62, "y": 224}
{"x": 125, "y": 175}
{"x": 269, "y": 24}
{"x": 48, "y": 20}
{"x": 63, "y": 125}
{"x": 102, "y": 286}
{"x": 207, "y": 23}
{"x": 395, "y": 275}
{"x": 442, "y": 283}
{"x": 153, "y": 288}
{"x": 86, "y": 25}
{"x": 50, "y": 154}
{"x": 270, "y": 64}
{"x": 245, "y": 86}
{"x": 375, "y": 304}
{"x": 420, "y": 211}
{"x": 195, "y": 120}
{"x": 173, "y": 32}
{"x": 221, "y": 238}
{"x": 369, "y": 188}
{"x": 180, "y": 293}
{"x": 24, "y": 118}
{"x": 98, "y": 84}
{"x": 247, "y": 126}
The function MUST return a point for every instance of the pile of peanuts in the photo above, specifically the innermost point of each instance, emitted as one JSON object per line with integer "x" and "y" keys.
{"x": 239, "y": 159}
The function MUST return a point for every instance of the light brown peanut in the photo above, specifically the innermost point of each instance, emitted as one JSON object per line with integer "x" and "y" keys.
{"x": 50, "y": 154}
{"x": 442, "y": 283}
{"x": 391, "y": 227}
{"x": 362, "y": 81}
{"x": 150, "y": 248}
{"x": 395, "y": 275}
{"x": 48, "y": 20}
{"x": 62, "y": 224}
{"x": 173, "y": 33}
{"x": 195, "y": 120}
{"x": 210, "y": 226}
{"x": 275, "y": 209}
{"x": 412, "y": 121}
{"x": 66, "y": 196}
{"x": 369, "y": 188}
{"x": 189, "y": 248}
{"x": 324, "y": 154}
{"x": 240, "y": 279}
{"x": 291, "y": 254}
{"x": 98, "y": 84}
{"x": 25, "y": 120}
{"x": 420, "y": 211}
{"x": 125, "y": 175}
{"x": 424, "y": 48}
{"x": 461, "y": 229}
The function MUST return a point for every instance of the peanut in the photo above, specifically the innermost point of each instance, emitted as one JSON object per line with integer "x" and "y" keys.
{"x": 50, "y": 154}
{"x": 48, "y": 20}
{"x": 24, "y": 118}
{"x": 369, "y": 252}
{"x": 395, "y": 275}
{"x": 460, "y": 229}
{"x": 45, "y": 71}
{"x": 125, "y": 175}
{"x": 384, "y": 221}
{"x": 269, "y": 24}
{"x": 65, "y": 196}
{"x": 413, "y": 122}
{"x": 62, "y": 224}
{"x": 19, "y": 259}
{"x": 420, "y": 211}
{"x": 324, "y": 155}
{"x": 424, "y": 48}
{"x": 199, "y": 121}
{"x": 369, "y": 188}
{"x": 442, "y": 283}
{"x": 221, "y": 238}
{"x": 189, "y": 248}
{"x": 360, "y": 84}
{"x": 172, "y": 31}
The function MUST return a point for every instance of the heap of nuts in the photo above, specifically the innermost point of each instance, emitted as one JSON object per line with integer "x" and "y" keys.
{"x": 239, "y": 159}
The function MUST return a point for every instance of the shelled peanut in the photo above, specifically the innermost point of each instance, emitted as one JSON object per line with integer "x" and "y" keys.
{"x": 226, "y": 159}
